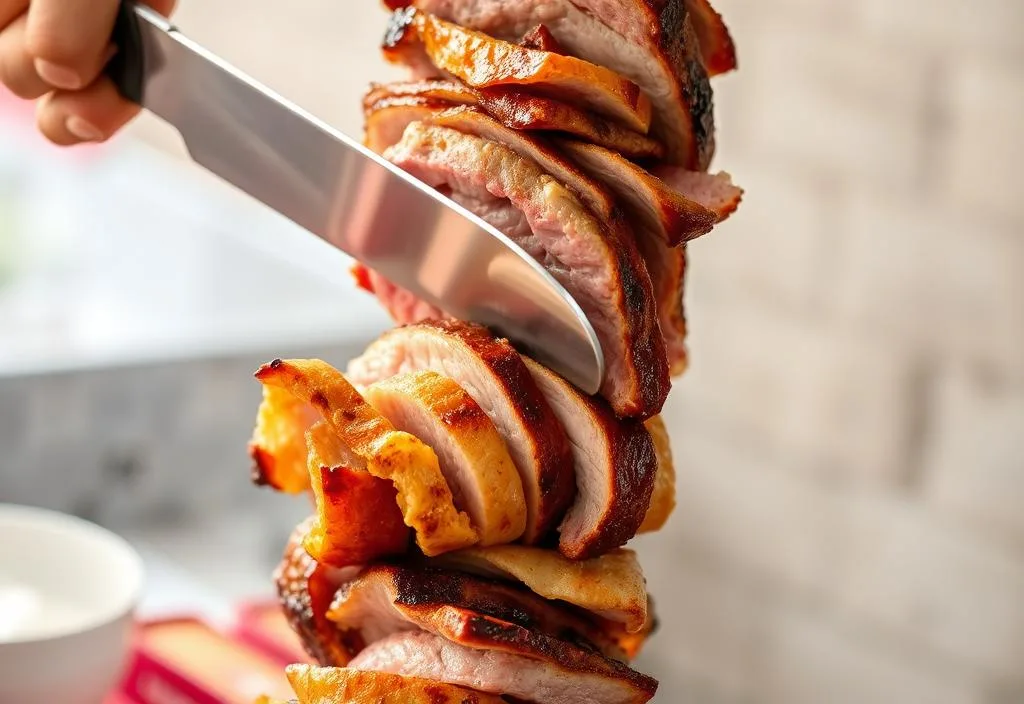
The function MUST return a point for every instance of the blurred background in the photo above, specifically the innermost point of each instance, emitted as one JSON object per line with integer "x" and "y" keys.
{"x": 849, "y": 440}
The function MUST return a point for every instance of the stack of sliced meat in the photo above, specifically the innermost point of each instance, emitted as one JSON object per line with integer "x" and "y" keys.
{"x": 471, "y": 506}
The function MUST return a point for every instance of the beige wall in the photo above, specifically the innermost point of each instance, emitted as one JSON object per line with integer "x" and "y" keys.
{"x": 850, "y": 439}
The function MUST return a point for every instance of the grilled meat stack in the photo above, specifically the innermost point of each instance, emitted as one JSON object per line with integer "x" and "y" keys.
{"x": 471, "y": 506}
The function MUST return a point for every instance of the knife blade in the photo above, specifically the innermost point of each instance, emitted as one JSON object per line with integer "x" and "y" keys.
{"x": 348, "y": 196}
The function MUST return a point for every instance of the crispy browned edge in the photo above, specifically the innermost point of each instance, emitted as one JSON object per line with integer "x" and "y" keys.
{"x": 438, "y": 611}
{"x": 425, "y": 587}
{"x": 717, "y": 46}
{"x": 679, "y": 43}
{"x": 633, "y": 471}
{"x": 306, "y": 590}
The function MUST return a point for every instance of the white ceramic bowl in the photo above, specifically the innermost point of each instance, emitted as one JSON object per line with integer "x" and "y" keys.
{"x": 68, "y": 590}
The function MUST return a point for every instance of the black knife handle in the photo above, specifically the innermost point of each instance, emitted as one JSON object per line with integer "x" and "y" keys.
{"x": 127, "y": 68}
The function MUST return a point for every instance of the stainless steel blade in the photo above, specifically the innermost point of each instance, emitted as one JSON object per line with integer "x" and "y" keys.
{"x": 340, "y": 191}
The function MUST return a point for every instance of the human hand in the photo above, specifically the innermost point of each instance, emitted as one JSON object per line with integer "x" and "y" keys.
{"x": 54, "y": 52}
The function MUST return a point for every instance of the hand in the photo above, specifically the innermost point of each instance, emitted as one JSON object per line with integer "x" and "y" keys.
{"x": 54, "y": 51}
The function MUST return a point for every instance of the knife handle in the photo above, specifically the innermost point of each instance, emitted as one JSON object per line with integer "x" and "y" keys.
{"x": 127, "y": 68}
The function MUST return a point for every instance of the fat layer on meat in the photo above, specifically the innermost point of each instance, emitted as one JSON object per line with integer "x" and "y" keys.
{"x": 560, "y": 678}
{"x": 492, "y": 373}
{"x": 596, "y": 261}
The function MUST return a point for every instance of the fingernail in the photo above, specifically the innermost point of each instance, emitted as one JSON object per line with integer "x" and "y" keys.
{"x": 58, "y": 76}
{"x": 83, "y": 129}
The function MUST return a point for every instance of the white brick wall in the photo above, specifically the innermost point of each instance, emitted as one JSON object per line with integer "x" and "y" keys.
{"x": 941, "y": 587}
{"x": 974, "y": 463}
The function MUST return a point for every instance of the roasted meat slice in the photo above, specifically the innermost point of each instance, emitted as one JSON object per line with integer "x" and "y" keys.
{"x": 667, "y": 269}
{"x": 715, "y": 192}
{"x": 337, "y": 685}
{"x": 492, "y": 373}
{"x": 611, "y": 586}
{"x": 663, "y": 499}
{"x": 513, "y": 108}
{"x": 481, "y": 61}
{"x": 474, "y": 122}
{"x": 652, "y": 205}
{"x": 526, "y": 112}
{"x": 436, "y": 90}
{"x": 553, "y": 673}
{"x": 651, "y": 42}
{"x": 596, "y": 261}
{"x": 278, "y": 445}
{"x": 387, "y": 599}
{"x": 385, "y": 126}
{"x": 306, "y": 590}
{"x": 372, "y": 444}
{"x": 716, "y": 45}
{"x": 474, "y": 459}
{"x": 615, "y": 468}
{"x": 357, "y": 518}
{"x": 667, "y": 265}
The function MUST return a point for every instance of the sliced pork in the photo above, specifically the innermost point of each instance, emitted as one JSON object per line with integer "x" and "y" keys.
{"x": 388, "y": 599}
{"x": 368, "y": 442}
{"x": 667, "y": 268}
{"x": 386, "y": 124}
{"x": 551, "y": 161}
{"x": 663, "y": 498}
{"x": 480, "y": 472}
{"x": 338, "y": 685}
{"x": 652, "y": 43}
{"x": 612, "y": 585}
{"x": 537, "y": 113}
{"x": 652, "y": 205}
{"x": 306, "y": 590}
{"x": 492, "y": 373}
{"x": 716, "y": 45}
{"x": 615, "y": 468}
{"x": 562, "y": 675}
{"x": 715, "y": 192}
{"x": 482, "y": 61}
{"x": 596, "y": 261}
{"x": 513, "y": 109}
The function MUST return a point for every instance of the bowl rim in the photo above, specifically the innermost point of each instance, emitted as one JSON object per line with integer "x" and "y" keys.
{"x": 33, "y": 516}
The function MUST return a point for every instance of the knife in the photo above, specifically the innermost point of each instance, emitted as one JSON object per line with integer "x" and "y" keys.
{"x": 350, "y": 197}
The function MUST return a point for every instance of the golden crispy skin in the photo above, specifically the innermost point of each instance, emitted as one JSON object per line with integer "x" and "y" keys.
{"x": 372, "y": 444}
{"x": 473, "y": 456}
{"x": 357, "y": 517}
{"x": 278, "y": 445}
{"x": 612, "y": 586}
{"x": 336, "y": 685}
{"x": 663, "y": 500}
{"x": 482, "y": 61}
